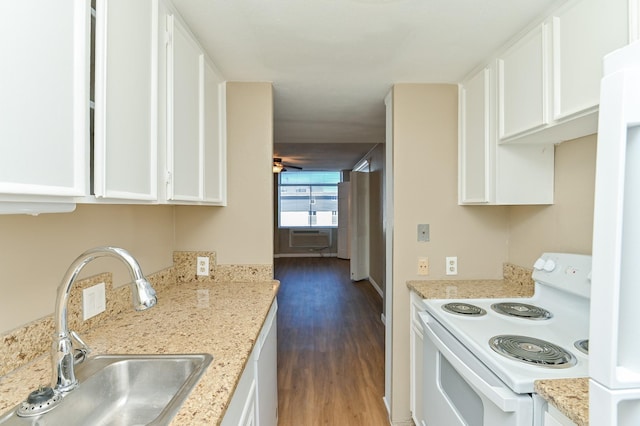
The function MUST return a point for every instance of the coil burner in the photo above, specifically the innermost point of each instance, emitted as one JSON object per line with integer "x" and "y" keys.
{"x": 532, "y": 351}
{"x": 464, "y": 309}
{"x": 521, "y": 310}
{"x": 582, "y": 346}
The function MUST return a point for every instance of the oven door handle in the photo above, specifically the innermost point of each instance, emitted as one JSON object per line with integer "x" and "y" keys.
{"x": 501, "y": 396}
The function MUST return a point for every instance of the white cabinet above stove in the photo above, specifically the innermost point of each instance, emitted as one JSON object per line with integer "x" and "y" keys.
{"x": 492, "y": 173}
{"x": 549, "y": 78}
{"x": 539, "y": 89}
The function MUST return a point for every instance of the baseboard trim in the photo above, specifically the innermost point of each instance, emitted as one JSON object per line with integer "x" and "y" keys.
{"x": 408, "y": 422}
{"x": 403, "y": 423}
{"x": 376, "y": 286}
{"x": 276, "y": 256}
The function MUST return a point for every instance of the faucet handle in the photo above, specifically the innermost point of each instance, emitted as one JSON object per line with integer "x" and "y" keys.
{"x": 82, "y": 351}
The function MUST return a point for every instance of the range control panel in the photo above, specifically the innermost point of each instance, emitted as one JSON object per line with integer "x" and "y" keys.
{"x": 568, "y": 271}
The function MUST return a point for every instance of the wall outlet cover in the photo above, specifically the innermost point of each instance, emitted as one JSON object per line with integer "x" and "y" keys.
{"x": 202, "y": 266}
{"x": 451, "y": 265}
{"x": 423, "y": 266}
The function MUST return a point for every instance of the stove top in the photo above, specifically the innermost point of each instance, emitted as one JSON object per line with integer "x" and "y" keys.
{"x": 532, "y": 351}
{"x": 521, "y": 310}
{"x": 465, "y": 309}
{"x": 560, "y": 304}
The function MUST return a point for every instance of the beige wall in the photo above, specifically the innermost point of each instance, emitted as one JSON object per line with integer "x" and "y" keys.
{"x": 36, "y": 251}
{"x": 242, "y": 232}
{"x": 425, "y": 191}
{"x": 567, "y": 225}
{"x": 376, "y": 205}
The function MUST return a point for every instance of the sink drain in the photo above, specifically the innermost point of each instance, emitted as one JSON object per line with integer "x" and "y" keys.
{"x": 39, "y": 401}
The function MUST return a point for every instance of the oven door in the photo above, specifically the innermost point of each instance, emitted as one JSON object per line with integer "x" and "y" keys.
{"x": 459, "y": 390}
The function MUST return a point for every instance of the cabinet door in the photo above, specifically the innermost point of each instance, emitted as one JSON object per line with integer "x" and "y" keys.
{"x": 44, "y": 101}
{"x": 583, "y": 32}
{"x": 125, "y": 135}
{"x": 553, "y": 417}
{"x": 267, "y": 373}
{"x": 416, "y": 358}
{"x": 475, "y": 141}
{"x": 213, "y": 125}
{"x": 522, "y": 85}
{"x": 184, "y": 144}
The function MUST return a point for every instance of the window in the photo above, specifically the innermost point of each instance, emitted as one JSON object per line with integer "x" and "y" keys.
{"x": 308, "y": 199}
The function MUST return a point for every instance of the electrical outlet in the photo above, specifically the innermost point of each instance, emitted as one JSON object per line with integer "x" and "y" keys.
{"x": 452, "y": 265}
{"x": 423, "y": 266}
{"x": 93, "y": 301}
{"x": 202, "y": 267}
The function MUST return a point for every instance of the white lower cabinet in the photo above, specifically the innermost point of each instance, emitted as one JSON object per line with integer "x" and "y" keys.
{"x": 255, "y": 399}
{"x": 416, "y": 360}
{"x": 553, "y": 417}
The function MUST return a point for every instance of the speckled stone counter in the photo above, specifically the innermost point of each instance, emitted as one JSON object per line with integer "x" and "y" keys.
{"x": 223, "y": 319}
{"x": 516, "y": 282}
{"x": 570, "y": 396}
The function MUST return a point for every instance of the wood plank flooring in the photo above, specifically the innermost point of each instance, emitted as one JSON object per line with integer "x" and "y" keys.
{"x": 330, "y": 346}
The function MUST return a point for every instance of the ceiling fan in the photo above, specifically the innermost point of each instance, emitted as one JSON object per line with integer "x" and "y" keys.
{"x": 279, "y": 166}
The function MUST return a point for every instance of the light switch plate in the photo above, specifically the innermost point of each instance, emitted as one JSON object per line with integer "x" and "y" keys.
{"x": 423, "y": 232}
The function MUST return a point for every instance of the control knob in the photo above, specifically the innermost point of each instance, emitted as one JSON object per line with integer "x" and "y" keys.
{"x": 549, "y": 265}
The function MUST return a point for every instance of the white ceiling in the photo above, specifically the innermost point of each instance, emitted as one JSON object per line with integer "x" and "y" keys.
{"x": 333, "y": 61}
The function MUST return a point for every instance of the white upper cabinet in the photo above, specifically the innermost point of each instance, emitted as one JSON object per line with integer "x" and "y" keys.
{"x": 522, "y": 85}
{"x": 549, "y": 79}
{"x": 491, "y": 173}
{"x": 541, "y": 89}
{"x": 126, "y": 100}
{"x": 213, "y": 126}
{"x": 475, "y": 140}
{"x": 44, "y": 101}
{"x": 184, "y": 146}
{"x": 196, "y": 162}
{"x": 583, "y": 32}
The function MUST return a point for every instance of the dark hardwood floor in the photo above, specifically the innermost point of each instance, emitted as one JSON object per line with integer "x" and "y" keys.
{"x": 330, "y": 346}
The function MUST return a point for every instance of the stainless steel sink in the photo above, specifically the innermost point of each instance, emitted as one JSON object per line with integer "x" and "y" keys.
{"x": 124, "y": 390}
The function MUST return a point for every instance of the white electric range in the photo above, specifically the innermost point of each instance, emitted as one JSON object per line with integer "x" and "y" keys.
{"x": 482, "y": 356}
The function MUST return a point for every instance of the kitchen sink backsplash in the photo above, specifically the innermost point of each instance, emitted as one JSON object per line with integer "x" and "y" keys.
{"x": 518, "y": 275}
{"x": 24, "y": 344}
{"x": 184, "y": 263}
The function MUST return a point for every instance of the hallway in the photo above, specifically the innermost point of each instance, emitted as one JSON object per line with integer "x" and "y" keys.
{"x": 330, "y": 346}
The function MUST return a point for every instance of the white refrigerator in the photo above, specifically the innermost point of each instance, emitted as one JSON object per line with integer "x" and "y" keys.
{"x": 614, "y": 341}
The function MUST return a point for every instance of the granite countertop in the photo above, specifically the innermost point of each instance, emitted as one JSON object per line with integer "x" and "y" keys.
{"x": 570, "y": 396}
{"x": 469, "y": 289}
{"x": 223, "y": 319}
{"x": 516, "y": 282}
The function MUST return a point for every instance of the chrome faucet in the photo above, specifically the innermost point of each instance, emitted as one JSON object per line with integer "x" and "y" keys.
{"x": 62, "y": 356}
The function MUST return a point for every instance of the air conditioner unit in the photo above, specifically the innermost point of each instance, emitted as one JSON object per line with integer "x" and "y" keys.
{"x": 309, "y": 238}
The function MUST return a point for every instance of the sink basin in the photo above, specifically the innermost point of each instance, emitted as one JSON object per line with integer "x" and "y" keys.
{"x": 124, "y": 390}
